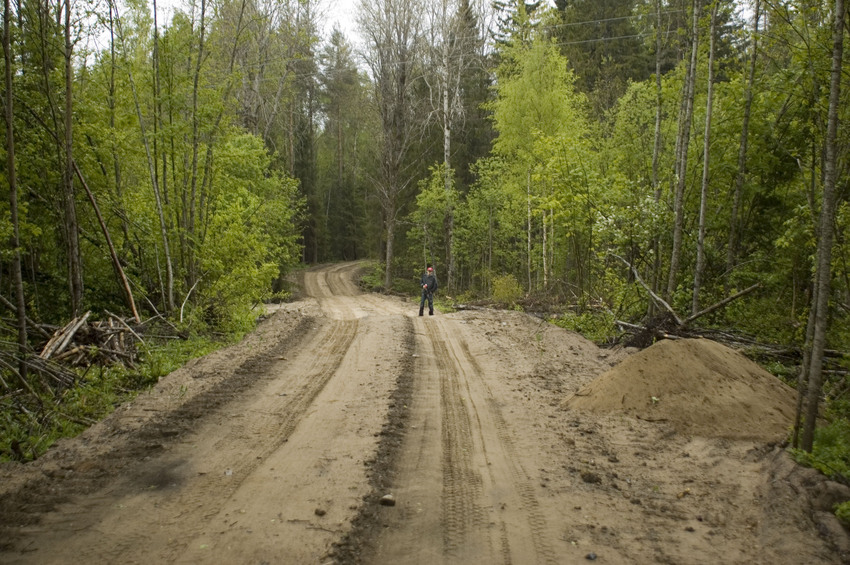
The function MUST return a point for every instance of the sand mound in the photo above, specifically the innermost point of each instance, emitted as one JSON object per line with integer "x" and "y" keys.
{"x": 699, "y": 386}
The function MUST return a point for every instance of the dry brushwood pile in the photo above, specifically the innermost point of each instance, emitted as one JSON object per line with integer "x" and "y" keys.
{"x": 83, "y": 343}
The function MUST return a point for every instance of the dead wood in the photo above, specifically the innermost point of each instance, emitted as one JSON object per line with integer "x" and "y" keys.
{"x": 126, "y": 326}
{"x": 30, "y": 323}
{"x": 671, "y": 325}
{"x": 720, "y": 304}
{"x": 83, "y": 343}
{"x": 657, "y": 299}
{"x": 64, "y": 336}
{"x": 116, "y": 263}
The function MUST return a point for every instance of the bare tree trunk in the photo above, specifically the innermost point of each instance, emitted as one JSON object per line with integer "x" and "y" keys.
{"x": 291, "y": 137}
{"x": 823, "y": 274}
{"x": 656, "y": 152}
{"x": 450, "y": 215}
{"x": 682, "y": 168}
{"x": 116, "y": 161}
{"x": 490, "y": 229}
{"x": 11, "y": 175}
{"x": 75, "y": 269}
{"x": 545, "y": 252}
{"x": 388, "y": 271}
{"x": 706, "y": 161}
{"x": 528, "y": 227}
{"x": 447, "y": 142}
{"x": 169, "y": 271}
{"x": 732, "y": 246}
{"x": 656, "y": 146}
{"x": 340, "y": 154}
{"x": 191, "y": 275}
{"x": 803, "y": 377}
{"x": 161, "y": 180}
{"x": 202, "y": 217}
{"x": 392, "y": 29}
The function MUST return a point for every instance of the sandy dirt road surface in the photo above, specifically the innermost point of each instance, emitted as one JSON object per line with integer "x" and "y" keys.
{"x": 280, "y": 449}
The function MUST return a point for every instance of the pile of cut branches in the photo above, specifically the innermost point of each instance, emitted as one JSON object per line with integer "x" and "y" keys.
{"x": 668, "y": 324}
{"x": 82, "y": 343}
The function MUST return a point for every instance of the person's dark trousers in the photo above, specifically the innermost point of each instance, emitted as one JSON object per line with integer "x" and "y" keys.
{"x": 430, "y": 297}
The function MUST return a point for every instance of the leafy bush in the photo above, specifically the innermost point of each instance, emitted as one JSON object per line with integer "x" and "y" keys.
{"x": 842, "y": 512}
{"x": 373, "y": 276}
{"x": 830, "y": 456}
{"x": 595, "y": 326}
{"x": 831, "y": 452}
{"x": 506, "y": 289}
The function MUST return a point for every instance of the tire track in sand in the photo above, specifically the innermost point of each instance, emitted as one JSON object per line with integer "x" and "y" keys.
{"x": 186, "y": 486}
{"x": 462, "y": 483}
{"x": 460, "y": 445}
{"x": 513, "y": 507}
{"x": 164, "y": 507}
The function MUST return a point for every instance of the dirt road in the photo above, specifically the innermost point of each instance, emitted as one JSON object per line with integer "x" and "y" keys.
{"x": 280, "y": 449}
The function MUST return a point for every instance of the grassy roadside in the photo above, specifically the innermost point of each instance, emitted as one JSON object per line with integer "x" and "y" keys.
{"x": 32, "y": 420}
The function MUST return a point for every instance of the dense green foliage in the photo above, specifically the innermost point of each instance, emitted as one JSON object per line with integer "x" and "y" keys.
{"x": 183, "y": 186}
{"x": 831, "y": 454}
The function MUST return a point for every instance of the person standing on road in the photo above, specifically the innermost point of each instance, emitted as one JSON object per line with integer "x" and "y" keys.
{"x": 428, "y": 282}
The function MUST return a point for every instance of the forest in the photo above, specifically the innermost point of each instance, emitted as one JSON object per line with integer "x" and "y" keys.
{"x": 623, "y": 165}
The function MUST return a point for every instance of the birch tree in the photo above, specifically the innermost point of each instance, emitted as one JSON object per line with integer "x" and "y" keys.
{"x": 819, "y": 312}
{"x": 15, "y": 240}
{"x": 453, "y": 54}
{"x": 740, "y": 177}
{"x": 72, "y": 229}
{"x": 151, "y": 166}
{"x": 682, "y": 143}
{"x": 392, "y": 33}
{"x": 706, "y": 163}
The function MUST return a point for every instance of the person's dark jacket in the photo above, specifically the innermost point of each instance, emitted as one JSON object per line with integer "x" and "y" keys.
{"x": 430, "y": 280}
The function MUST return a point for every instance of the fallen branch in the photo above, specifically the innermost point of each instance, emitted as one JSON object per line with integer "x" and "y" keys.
{"x": 682, "y": 323}
{"x": 629, "y": 326}
{"x": 658, "y": 300}
{"x": 23, "y": 381}
{"x": 720, "y": 304}
{"x": 116, "y": 263}
{"x": 30, "y": 323}
{"x": 62, "y": 337}
{"x": 123, "y": 323}
{"x": 188, "y": 294}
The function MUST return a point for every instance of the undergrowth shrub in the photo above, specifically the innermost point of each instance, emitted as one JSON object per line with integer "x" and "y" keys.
{"x": 831, "y": 456}
{"x": 373, "y": 277}
{"x": 831, "y": 451}
{"x": 595, "y": 326}
{"x": 842, "y": 512}
{"x": 506, "y": 289}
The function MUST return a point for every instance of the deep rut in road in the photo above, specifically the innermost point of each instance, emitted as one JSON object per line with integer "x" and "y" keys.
{"x": 461, "y": 445}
